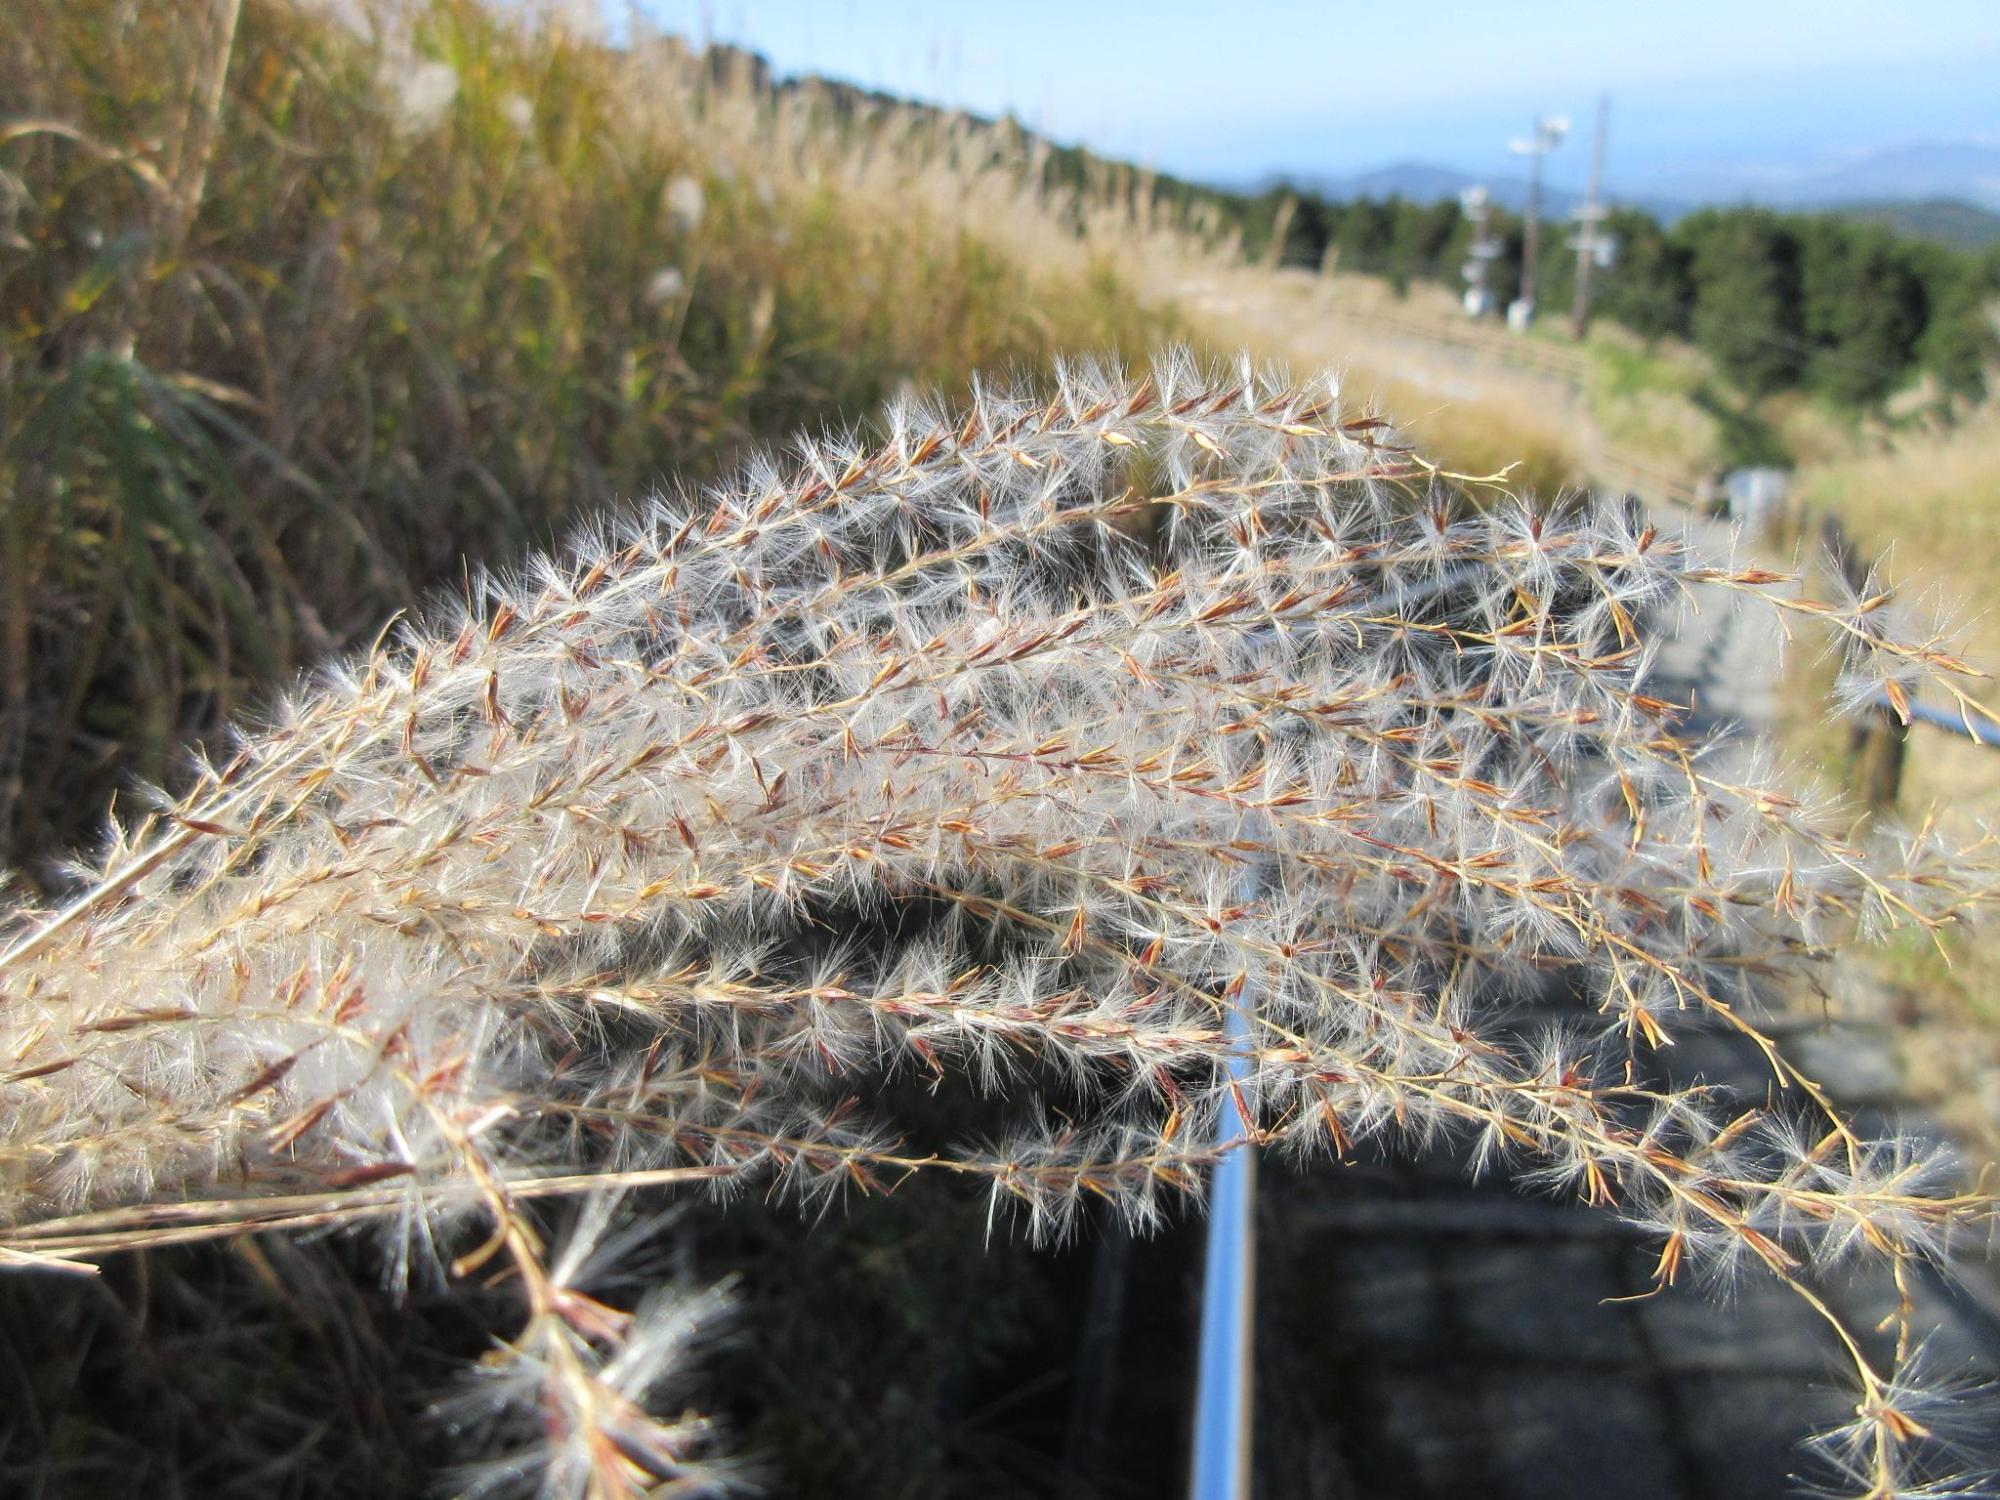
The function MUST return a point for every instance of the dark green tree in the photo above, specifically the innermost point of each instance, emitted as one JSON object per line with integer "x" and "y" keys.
{"x": 1959, "y": 342}
{"x": 1865, "y": 308}
{"x": 1367, "y": 231}
{"x": 1748, "y": 313}
{"x": 1313, "y": 228}
{"x": 1422, "y": 235}
{"x": 1650, "y": 287}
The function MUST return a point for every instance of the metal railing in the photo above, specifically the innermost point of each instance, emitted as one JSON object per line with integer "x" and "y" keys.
{"x": 1964, "y": 726}
{"x": 1222, "y": 1427}
{"x": 1223, "y": 1381}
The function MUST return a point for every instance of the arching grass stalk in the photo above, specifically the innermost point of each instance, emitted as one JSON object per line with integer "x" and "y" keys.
{"x": 946, "y": 753}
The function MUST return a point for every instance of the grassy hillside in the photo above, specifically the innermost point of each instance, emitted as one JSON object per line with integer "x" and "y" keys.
{"x": 296, "y": 315}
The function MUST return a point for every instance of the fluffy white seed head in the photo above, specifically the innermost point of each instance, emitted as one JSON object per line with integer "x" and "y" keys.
{"x": 1012, "y": 745}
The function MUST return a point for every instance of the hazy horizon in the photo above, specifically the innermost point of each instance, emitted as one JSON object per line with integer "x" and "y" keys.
{"x": 1710, "y": 101}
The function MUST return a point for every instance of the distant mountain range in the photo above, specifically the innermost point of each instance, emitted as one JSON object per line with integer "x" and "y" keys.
{"x": 1948, "y": 192}
{"x": 1961, "y": 170}
{"x": 1424, "y": 182}
{"x": 1946, "y": 221}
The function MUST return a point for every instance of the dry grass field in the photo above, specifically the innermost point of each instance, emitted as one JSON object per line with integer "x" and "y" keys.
{"x": 302, "y": 306}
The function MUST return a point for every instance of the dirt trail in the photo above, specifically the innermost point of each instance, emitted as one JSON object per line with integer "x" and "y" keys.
{"x": 1423, "y": 364}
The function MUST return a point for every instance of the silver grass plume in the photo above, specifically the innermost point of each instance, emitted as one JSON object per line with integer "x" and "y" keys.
{"x": 946, "y": 752}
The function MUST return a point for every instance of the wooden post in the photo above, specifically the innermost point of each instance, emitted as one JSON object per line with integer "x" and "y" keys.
{"x": 1876, "y": 745}
{"x": 1875, "y": 758}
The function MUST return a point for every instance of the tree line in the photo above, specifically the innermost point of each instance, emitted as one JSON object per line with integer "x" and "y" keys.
{"x": 1780, "y": 301}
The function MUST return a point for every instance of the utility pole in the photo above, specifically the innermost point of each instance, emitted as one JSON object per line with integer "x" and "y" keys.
{"x": 1549, "y": 131}
{"x": 1592, "y": 249}
{"x": 1481, "y": 253}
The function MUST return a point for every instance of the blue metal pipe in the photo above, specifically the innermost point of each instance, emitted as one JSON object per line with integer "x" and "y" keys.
{"x": 1980, "y": 731}
{"x": 1222, "y": 1428}
{"x": 1223, "y": 1386}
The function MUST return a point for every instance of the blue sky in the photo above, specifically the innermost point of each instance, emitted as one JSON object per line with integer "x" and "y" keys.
{"x": 1234, "y": 91}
